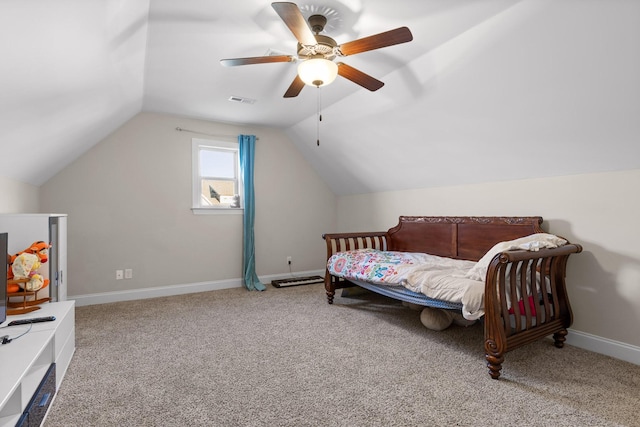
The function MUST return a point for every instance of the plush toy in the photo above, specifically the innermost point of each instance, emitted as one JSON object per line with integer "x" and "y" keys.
{"x": 24, "y": 265}
{"x": 438, "y": 319}
{"x": 435, "y": 319}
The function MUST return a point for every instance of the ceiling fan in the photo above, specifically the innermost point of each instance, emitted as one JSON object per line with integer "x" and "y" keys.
{"x": 317, "y": 52}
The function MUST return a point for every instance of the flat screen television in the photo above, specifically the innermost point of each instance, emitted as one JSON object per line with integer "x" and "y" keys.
{"x": 4, "y": 265}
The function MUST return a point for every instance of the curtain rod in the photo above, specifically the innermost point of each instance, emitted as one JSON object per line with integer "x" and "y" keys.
{"x": 235, "y": 138}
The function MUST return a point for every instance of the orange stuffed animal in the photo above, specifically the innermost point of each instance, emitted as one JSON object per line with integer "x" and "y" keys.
{"x": 25, "y": 265}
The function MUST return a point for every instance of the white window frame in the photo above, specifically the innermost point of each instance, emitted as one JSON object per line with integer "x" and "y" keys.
{"x": 197, "y": 145}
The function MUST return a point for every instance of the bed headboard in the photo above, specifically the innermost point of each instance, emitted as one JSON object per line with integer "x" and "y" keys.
{"x": 464, "y": 237}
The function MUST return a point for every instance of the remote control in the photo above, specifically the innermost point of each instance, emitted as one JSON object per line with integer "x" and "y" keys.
{"x": 34, "y": 320}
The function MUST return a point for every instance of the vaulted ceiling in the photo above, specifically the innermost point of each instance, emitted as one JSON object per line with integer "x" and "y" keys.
{"x": 488, "y": 89}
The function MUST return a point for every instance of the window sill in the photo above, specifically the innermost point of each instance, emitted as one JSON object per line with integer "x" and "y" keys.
{"x": 217, "y": 211}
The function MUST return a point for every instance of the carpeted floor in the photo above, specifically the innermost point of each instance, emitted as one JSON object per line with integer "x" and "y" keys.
{"x": 284, "y": 357}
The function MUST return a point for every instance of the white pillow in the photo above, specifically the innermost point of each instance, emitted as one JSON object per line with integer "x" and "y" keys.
{"x": 529, "y": 243}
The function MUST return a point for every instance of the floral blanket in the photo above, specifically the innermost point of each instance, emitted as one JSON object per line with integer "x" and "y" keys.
{"x": 371, "y": 265}
{"x": 436, "y": 277}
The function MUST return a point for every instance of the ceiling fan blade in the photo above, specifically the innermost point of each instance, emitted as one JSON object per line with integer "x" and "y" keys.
{"x": 232, "y": 62}
{"x": 377, "y": 41}
{"x": 292, "y": 16}
{"x": 358, "y": 77}
{"x": 295, "y": 88}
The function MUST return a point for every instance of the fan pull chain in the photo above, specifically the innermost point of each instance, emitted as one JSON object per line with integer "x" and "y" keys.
{"x": 319, "y": 115}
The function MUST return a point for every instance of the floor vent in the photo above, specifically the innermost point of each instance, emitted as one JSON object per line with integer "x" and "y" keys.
{"x": 296, "y": 281}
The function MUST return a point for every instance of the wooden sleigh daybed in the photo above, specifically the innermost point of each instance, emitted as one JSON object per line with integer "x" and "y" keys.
{"x": 517, "y": 309}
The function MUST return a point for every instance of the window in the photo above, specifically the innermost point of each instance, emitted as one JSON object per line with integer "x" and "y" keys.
{"x": 217, "y": 184}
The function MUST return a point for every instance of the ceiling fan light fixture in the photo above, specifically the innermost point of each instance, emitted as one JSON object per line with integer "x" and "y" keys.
{"x": 317, "y": 71}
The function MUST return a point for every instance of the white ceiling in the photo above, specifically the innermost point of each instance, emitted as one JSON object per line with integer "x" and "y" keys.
{"x": 487, "y": 90}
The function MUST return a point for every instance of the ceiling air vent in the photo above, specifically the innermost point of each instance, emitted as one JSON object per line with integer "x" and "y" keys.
{"x": 242, "y": 100}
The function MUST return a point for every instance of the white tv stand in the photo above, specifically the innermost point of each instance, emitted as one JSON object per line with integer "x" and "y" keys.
{"x": 25, "y": 361}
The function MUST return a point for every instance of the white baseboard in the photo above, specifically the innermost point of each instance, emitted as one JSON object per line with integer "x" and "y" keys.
{"x": 171, "y": 290}
{"x": 615, "y": 349}
{"x": 160, "y": 291}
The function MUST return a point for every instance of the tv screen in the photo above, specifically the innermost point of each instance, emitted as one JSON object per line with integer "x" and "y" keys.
{"x": 3, "y": 276}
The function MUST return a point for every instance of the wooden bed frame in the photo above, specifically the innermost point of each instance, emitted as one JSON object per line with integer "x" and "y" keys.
{"x": 510, "y": 273}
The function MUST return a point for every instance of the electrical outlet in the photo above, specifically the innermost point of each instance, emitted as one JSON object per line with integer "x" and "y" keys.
{"x": 119, "y": 275}
{"x": 128, "y": 273}
{"x": 289, "y": 260}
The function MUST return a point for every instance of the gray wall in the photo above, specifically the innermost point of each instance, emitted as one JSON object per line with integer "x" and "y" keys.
{"x": 129, "y": 199}
{"x": 18, "y": 197}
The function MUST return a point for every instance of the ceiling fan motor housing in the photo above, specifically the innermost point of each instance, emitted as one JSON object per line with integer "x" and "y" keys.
{"x": 326, "y": 48}
{"x": 317, "y": 23}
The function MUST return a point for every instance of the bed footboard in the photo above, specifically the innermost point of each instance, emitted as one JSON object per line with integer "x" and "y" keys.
{"x": 525, "y": 300}
{"x": 340, "y": 242}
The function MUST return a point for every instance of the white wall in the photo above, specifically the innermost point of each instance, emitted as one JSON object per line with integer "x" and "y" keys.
{"x": 129, "y": 199}
{"x": 18, "y": 197}
{"x": 74, "y": 73}
{"x": 598, "y": 211}
{"x": 542, "y": 88}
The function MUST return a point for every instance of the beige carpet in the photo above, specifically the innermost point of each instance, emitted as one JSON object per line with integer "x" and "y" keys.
{"x": 284, "y": 357}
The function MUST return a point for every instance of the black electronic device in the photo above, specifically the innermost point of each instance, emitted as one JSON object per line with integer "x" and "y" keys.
{"x": 32, "y": 320}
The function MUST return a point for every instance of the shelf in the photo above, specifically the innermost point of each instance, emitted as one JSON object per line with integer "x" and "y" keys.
{"x": 25, "y": 360}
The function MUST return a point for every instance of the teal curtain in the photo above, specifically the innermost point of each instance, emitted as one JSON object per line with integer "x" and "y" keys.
{"x": 247, "y": 152}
